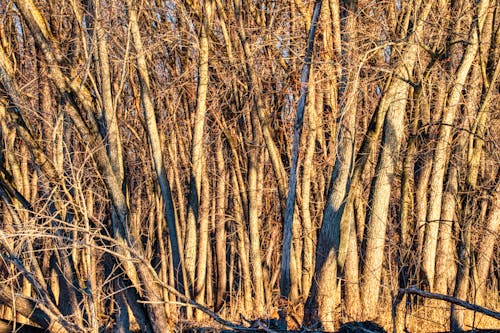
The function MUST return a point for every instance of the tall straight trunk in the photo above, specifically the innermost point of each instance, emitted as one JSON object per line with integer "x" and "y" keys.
{"x": 285, "y": 282}
{"x": 109, "y": 111}
{"x": 90, "y": 273}
{"x": 242, "y": 247}
{"x": 174, "y": 170}
{"x": 197, "y": 148}
{"x": 445, "y": 265}
{"x": 157, "y": 215}
{"x": 411, "y": 216}
{"x": 422, "y": 182}
{"x": 394, "y": 100}
{"x": 484, "y": 254}
{"x": 114, "y": 144}
{"x": 442, "y": 150}
{"x": 203, "y": 241}
{"x": 457, "y": 313}
{"x": 220, "y": 254}
{"x": 154, "y": 139}
{"x": 322, "y": 298}
{"x": 253, "y": 85}
{"x": 445, "y": 262}
{"x": 315, "y": 103}
{"x": 424, "y": 169}
{"x": 408, "y": 202}
{"x": 254, "y": 224}
{"x": 351, "y": 267}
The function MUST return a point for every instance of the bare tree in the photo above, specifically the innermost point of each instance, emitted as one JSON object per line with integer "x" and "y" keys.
{"x": 153, "y": 167}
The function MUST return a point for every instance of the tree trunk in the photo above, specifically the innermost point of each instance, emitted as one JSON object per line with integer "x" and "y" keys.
{"x": 442, "y": 151}
{"x": 220, "y": 228}
{"x": 394, "y": 99}
{"x": 322, "y": 301}
{"x": 203, "y": 241}
{"x": 484, "y": 253}
{"x": 242, "y": 247}
{"x": 285, "y": 282}
{"x": 197, "y": 148}
{"x": 254, "y": 225}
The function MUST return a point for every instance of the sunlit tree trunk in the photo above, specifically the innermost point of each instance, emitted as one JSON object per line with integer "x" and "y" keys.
{"x": 394, "y": 99}
{"x": 259, "y": 107}
{"x": 484, "y": 253}
{"x": 197, "y": 148}
{"x": 308, "y": 251}
{"x": 351, "y": 267}
{"x": 285, "y": 282}
{"x": 220, "y": 254}
{"x": 203, "y": 241}
{"x": 254, "y": 222}
{"x": 442, "y": 150}
{"x": 109, "y": 110}
{"x": 323, "y": 297}
{"x": 489, "y": 234}
{"x": 242, "y": 247}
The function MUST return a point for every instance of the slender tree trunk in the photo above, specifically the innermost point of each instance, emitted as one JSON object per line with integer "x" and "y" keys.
{"x": 203, "y": 242}
{"x": 308, "y": 251}
{"x": 285, "y": 282}
{"x": 156, "y": 310}
{"x": 351, "y": 268}
{"x": 259, "y": 107}
{"x": 442, "y": 151}
{"x": 113, "y": 134}
{"x": 242, "y": 247}
{"x": 484, "y": 253}
{"x": 445, "y": 266}
{"x": 457, "y": 313}
{"x": 254, "y": 225}
{"x": 394, "y": 100}
{"x": 197, "y": 148}
{"x": 322, "y": 301}
{"x": 220, "y": 228}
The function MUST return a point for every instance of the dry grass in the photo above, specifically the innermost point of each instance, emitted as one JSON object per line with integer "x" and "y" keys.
{"x": 433, "y": 316}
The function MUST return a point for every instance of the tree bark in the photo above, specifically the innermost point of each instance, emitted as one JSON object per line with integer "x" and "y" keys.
{"x": 220, "y": 228}
{"x": 394, "y": 100}
{"x": 242, "y": 247}
{"x": 484, "y": 253}
{"x": 197, "y": 148}
{"x": 285, "y": 281}
{"x": 442, "y": 150}
{"x": 322, "y": 301}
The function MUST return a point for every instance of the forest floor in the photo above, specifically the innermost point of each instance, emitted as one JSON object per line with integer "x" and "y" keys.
{"x": 428, "y": 318}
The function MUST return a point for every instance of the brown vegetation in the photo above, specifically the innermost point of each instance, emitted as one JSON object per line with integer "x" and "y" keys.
{"x": 166, "y": 163}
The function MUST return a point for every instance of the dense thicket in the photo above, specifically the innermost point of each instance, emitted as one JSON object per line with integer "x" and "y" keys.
{"x": 146, "y": 147}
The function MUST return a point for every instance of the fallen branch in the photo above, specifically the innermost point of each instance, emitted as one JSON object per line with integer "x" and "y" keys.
{"x": 258, "y": 324}
{"x": 215, "y": 316}
{"x": 196, "y": 305}
{"x": 449, "y": 299}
